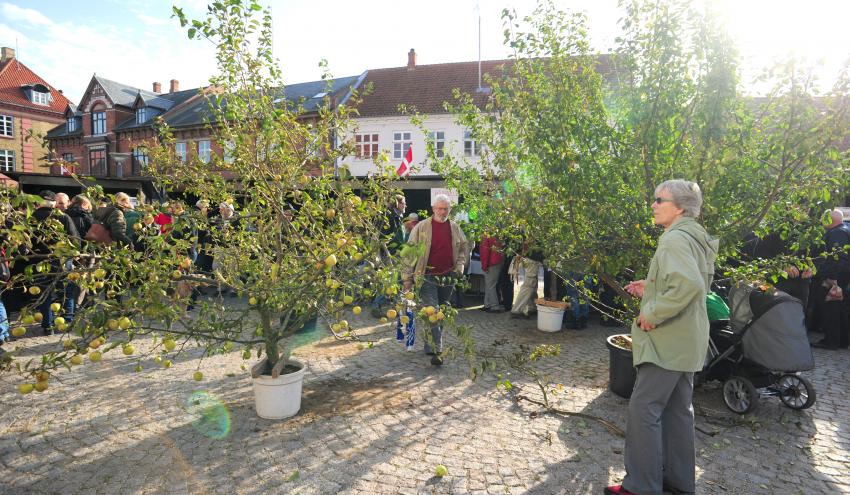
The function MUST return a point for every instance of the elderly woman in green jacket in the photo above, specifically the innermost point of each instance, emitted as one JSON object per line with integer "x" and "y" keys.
{"x": 669, "y": 344}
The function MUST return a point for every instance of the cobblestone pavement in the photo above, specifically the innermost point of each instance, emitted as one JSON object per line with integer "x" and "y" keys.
{"x": 378, "y": 420}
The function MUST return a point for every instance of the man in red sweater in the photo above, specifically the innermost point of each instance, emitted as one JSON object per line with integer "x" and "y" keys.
{"x": 445, "y": 253}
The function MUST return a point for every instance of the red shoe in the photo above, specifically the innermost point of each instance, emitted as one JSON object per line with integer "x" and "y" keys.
{"x": 617, "y": 490}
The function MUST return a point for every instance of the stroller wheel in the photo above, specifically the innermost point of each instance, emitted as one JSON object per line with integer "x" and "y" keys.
{"x": 796, "y": 392}
{"x": 740, "y": 395}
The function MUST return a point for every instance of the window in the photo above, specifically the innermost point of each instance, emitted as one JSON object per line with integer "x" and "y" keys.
{"x": 72, "y": 124}
{"x": 7, "y": 126}
{"x": 366, "y": 145}
{"x": 97, "y": 161}
{"x": 140, "y": 157}
{"x": 98, "y": 123}
{"x": 401, "y": 143}
{"x": 204, "y": 151}
{"x": 68, "y": 157}
{"x": 180, "y": 151}
{"x": 40, "y": 98}
{"x": 141, "y": 115}
{"x": 7, "y": 161}
{"x": 439, "y": 140}
{"x": 470, "y": 147}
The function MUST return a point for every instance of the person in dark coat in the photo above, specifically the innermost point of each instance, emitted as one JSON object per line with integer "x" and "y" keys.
{"x": 46, "y": 237}
{"x": 829, "y": 286}
{"x": 80, "y": 213}
{"x": 112, "y": 217}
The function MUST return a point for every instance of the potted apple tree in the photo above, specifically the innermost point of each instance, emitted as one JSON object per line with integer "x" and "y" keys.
{"x": 294, "y": 238}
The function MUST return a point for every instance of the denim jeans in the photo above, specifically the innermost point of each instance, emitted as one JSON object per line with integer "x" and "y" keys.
{"x": 578, "y": 301}
{"x": 4, "y": 323}
{"x": 434, "y": 292}
{"x": 69, "y": 304}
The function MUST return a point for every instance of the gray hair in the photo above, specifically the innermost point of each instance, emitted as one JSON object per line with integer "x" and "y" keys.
{"x": 686, "y": 195}
{"x": 441, "y": 198}
{"x": 837, "y": 216}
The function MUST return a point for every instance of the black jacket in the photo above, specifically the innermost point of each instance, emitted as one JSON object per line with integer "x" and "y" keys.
{"x": 81, "y": 218}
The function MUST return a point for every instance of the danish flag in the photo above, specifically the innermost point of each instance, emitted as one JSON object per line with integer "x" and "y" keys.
{"x": 404, "y": 168}
{"x": 66, "y": 169}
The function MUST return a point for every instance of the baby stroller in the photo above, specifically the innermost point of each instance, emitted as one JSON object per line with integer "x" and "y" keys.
{"x": 760, "y": 351}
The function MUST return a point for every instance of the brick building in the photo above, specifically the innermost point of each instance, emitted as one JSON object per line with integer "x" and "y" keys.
{"x": 27, "y": 104}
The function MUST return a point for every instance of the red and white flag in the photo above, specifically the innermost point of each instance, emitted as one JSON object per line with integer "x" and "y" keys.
{"x": 404, "y": 168}
{"x": 66, "y": 169}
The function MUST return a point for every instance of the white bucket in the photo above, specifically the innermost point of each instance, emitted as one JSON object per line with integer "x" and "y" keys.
{"x": 279, "y": 398}
{"x": 549, "y": 319}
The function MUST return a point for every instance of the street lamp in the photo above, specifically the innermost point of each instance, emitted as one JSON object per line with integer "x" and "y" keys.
{"x": 119, "y": 159}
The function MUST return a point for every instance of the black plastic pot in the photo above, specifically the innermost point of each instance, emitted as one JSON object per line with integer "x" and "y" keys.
{"x": 621, "y": 370}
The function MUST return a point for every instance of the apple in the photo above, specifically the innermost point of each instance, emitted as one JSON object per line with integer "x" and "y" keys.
{"x": 55, "y": 307}
{"x": 38, "y": 317}
{"x": 137, "y": 226}
{"x": 166, "y": 364}
{"x": 124, "y": 323}
{"x": 343, "y": 324}
{"x": 440, "y": 315}
{"x": 197, "y": 376}
{"x": 185, "y": 263}
{"x": 40, "y": 386}
{"x": 330, "y": 213}
{"x": 329, "y": 283}
{"x": 34, "y": 290}
{"x": 59, "y": 321}
{"x": 99, "y": 273}
{"x": 347, "y": 299}
{"x": 342, "y": 241}
{"x": 391, "y": 313}
{"x": 330, "y": 260}
{"x": 68, "y": 344}
{"x": 440, "y": 471}
{"x": 409, "y": 296}
{"x": 19, "y": 331}
{"x": 25, "y": 388}
{"x": 99, "y": 284}
{"x": 391, "y": 291}
{"x": 429, "y": 310}
{"x": 176, "y": 274}
{"x": 357, "y": 257}
{"x": 356, "y": 310}
{"x": 76, "y": 359}
{"x": 433, "y": 318}
{"x": 157, "y": 359}
{"x": 95, "y": 356}
{"x": 27, "y": 320}
{"x": 94, "y": 344}
{"x": 383, "y": 319}
{"x": 128, "y": 350}
{"x": 138, "y": 366}
{"x": 336, "y": 327}
{"x": 42, "y": 376}
{"x": 404, "y": 319}
{"x": 169, "y": 344}
{"x": 252, "y": 301}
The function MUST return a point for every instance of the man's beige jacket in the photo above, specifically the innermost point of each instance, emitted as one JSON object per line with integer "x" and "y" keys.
{"x": 421, "y": 234}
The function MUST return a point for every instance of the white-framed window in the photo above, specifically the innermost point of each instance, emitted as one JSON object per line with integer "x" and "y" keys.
{"x": 402, "y": 141}
{"x": 366, "y": 145}
{"x": 98, "y": 123}
{"x": 180, "y": 150}
{"x": 72, "y": 124}
{"x": 204, "y": 151}
{"x": 140, "y": 156}
{"x": 7, "y": 161}
{"x": 7, "y": 126}
{"x": 141, "y": 115}
{"x": 40, "y": 98}
{"x": 439, "y": 140}
{"x": 470, "y": 146}
{"x": 68, "y": 157}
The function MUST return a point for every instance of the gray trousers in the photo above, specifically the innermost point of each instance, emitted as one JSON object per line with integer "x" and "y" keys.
{"x": 524, "y": 301}
{"x": 434, "y": 293}
{"x": 491, "y": 284}
{"x": 660, "y": 432}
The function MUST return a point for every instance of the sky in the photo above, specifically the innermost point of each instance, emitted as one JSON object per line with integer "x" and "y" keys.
{"x": 136, "y": 42}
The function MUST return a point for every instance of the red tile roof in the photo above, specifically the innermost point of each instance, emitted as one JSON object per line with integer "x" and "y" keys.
{"x": 13, "y": 75}
{"x": 425, "y": 86}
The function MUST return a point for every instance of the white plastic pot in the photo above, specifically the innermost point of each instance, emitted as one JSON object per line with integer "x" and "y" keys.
{"x": 279, "y": 398}
{"x": 549, "y": 319}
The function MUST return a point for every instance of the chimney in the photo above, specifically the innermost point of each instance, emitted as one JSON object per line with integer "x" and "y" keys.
{"x": 411, "y": 59}
{"x": 6, "y": 53}
{"x": 157, "y": 87}
{"x": 175, "y": 86}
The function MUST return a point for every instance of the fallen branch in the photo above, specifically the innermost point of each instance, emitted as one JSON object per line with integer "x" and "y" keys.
{"x": 604, "y": 422}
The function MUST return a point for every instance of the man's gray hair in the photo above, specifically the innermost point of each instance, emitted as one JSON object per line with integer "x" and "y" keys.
{"x": 441, "y": 198}
{"x": 686, "y": 195}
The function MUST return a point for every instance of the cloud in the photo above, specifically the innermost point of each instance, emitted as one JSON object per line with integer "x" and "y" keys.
{"x": 30, "y": 16}
{"x": 152, "y": 21}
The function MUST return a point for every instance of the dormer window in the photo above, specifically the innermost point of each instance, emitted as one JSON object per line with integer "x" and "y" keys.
{"x": 141, "y": 115}
{"x": 40, "y": 98}
{"x": 72, "y": 124}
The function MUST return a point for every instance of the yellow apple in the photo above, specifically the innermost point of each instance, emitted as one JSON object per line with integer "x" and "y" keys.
{"x": 128, "y": 350}
{"x": 433, "y": 318}
{"x": 166, "y": 364}
{"x": 28, "y": 320}
{"x": 347, "y": 299}
{"x": 176, "y": 274}
{"x": 356, "y": 310}
{"x": 100, "y": 273}
{"x": 185, "y": 263}
{"x": 55, "y": 307}
{"x": 429, "y": 310}
{"x": 330, "y": 260}
{"x": 40, "y": 386}
{"x": 409, "y": 296}
{"x": 112, "y": 324}
{"x": 38, "y": 317}
{"x": 197, "y": 376}
{"x": 25, "y": 388}
{"x": 42, "y": 376}
{"x": 169, "y": 344}
{"x": 76, "y": 359}
{"x": 95, "y": 356}
{"x": 391, "y": 313}
{"x": 19, "y": 331}
{"x": 252, "y": 301}
{"x": 330, "y": 213}
{"x": 124, "y": 323}
{"x": 35, "y": 290}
